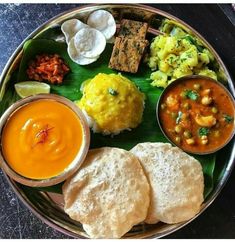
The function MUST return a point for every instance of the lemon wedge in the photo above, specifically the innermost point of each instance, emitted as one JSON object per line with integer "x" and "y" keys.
{"x": 28, "y": 88}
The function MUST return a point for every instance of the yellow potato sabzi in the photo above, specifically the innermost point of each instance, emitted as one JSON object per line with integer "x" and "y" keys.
{"x": 178, "y": 54}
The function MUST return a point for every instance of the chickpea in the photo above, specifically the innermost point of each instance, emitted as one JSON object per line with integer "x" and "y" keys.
{"x": 178, "y": 139}
{"x": 190, "y": 141}
{"x": 197, "y": 86}
{"x": 178, "y": 129}
{"x": 206, "y": 92}
{"x": 214, "y": 110}
{"x": 186, "y": 105}
{"x": 187, "y": 134}
{"x": 204, "y": 137}
{"x": 163, "y": 106}
{"x": 206, "y": 100}
{"x": 171, "y": 101}
{"x": 204, "y": 141}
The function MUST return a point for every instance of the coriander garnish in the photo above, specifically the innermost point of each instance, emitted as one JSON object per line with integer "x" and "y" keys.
{"x": 112, "y": 91}
{"x": 203, "y": 131}
{"x": 193, "y": 95}
{"x": 228, "y": 118}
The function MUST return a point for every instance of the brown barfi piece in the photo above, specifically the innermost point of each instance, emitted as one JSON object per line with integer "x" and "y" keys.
{"x": 127, "y": 54}
{"x": 133, "y": 29}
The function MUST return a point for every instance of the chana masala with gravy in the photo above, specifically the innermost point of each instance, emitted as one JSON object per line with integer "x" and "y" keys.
{"x": 197, "y": 115}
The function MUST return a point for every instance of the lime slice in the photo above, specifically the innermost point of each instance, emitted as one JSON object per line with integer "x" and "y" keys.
{"x": 25, "y": 89}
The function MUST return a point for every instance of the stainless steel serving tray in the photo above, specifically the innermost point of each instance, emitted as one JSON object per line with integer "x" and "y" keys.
{"x": 49, "y": 206}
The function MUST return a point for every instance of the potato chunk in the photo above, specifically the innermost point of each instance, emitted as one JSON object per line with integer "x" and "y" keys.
{"x": 205, "y": 121}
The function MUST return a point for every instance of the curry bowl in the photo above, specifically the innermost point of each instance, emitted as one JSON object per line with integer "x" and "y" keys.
{"x": 39, "y": 140}
{"x": 196, "y": 113}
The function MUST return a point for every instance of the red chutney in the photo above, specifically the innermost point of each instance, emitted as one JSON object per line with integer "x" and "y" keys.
{"x": 197, "y": 115}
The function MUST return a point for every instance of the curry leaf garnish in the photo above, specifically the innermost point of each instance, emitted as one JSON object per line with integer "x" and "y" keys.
{"x": 193, "y": 95}
{"x": 228, "y": 118}
{"x": 183, "y": 59}
{"x": 192, "y": 41}
{"x": 171, "y": 60}
{"x": 203, "y": 131}
{"x": 179, "y": 117}
{"x": 112, "y": 91}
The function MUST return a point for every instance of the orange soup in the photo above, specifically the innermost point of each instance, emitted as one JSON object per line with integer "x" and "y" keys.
{"x": 197, "y": 115}
{"x": 41, "y": 139}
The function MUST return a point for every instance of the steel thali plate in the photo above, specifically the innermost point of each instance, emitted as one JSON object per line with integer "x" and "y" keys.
{"x": 49, "y": 206}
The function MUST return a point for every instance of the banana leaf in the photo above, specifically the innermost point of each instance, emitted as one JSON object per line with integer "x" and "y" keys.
{"x": 147, "y": 131}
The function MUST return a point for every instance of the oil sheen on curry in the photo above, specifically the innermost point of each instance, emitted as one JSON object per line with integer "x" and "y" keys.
{"x": 41, "y": 139}
{"x": 197, "y": 115}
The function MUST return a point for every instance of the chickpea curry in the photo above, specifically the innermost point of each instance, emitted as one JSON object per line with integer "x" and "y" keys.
{"x": 197, "y": 115}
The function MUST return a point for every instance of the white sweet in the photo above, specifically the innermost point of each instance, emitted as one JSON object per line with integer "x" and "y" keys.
{"x": 103, "y": 21}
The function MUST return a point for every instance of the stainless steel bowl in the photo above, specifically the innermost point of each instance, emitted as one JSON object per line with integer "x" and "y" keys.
{"x": 49, "y": 206}
{"x": 73, "y": 166}
{"x": 175, "y": 83}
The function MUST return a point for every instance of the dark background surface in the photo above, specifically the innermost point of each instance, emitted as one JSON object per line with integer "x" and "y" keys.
{"x": 215, "y": 22}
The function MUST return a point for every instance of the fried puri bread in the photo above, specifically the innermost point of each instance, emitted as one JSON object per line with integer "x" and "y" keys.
{"x": 176, "y": 181}
{"x": 109, "y": 194}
